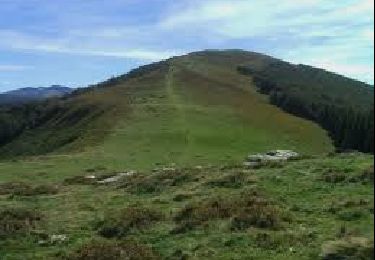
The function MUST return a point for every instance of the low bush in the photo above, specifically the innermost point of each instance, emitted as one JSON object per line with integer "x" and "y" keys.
{"x": 113, "y": 250}
{"x": 367, "y": 176}
{"x": 24, "y": 189}
{"x": 232, "y": 181}
{"x": 257, "y": 215}
{"x": 157, "y": 181}
{"x": 340, "y": 205}
{"x": 80, "y": 180}
{"x": 16, "y": 221}
{"x": 10, "y": 187}
{"x": 182, "y": 197}
{"x": 121, "y": 223}
{"x": 334, "y": 177}
{"x": 351, "y": 210}
{"x": 283, "y": 240}
{"x": 352, "y": 248}
{"x": 249, "y": 209}
{"x": 350, "y": 215}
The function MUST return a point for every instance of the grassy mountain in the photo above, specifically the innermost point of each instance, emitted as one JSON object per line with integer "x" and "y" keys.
{"x": 194, "y": 108}
{"x": 26, "y": 95}
{"x": 201, "y": 107}
{"x": 174, "y": 134}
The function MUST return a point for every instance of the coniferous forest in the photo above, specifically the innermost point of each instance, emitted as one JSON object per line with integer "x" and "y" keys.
{"x": 341, "y": 106}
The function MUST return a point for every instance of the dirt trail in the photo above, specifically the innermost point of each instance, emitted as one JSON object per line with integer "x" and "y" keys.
{"x": 177, "y": 103}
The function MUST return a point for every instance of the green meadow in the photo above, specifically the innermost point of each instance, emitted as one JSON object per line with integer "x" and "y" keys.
{"x": 181, "y": 132}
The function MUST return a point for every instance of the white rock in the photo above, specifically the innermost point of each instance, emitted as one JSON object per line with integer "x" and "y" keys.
{"x": 58, "y": 239}
{"x": 276, "y": 155}
{"x": 117, "y": 177}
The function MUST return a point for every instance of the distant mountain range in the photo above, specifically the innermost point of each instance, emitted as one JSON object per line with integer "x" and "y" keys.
{"x": 24, "y": 95}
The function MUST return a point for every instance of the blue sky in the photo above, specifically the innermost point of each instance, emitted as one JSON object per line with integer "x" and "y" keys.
{"x": 81, "y": 42}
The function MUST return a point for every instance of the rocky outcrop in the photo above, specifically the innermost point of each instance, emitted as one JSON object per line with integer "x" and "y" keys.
{"x": 271, "y": 156}
{"x": 116, "y": 177}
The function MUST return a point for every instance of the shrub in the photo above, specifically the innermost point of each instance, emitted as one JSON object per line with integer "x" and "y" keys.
{"x": 331, "y": 176}
{"x": 44, "y": 189}
{"x": 350, "y": 215}
{"x": 233, "y": 181}
{"x": 113, "y": 250}
{"x": 15, "y": 221}
{"x": 352, "y": 248}
{"x": 119, "y": 224}
{"x": 9, "y": 187}
{"x": 79, "y": 180}
{"x": 350, "y": 210}
{"x": 156, "y": 182}
{"x": 367, "y": 175}
{"x": 282, "y": 241}
{"x": 23, "y": 189}
{"x": 182, "y": 197}
{"x": 246, "y": 210}
{"x": 257, "y": 215}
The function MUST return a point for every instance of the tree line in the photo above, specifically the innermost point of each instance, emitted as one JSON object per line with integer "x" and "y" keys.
{"x": 346, "y": 112}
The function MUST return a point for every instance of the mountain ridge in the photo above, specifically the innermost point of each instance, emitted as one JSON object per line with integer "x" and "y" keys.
{"x": 209, "y": 82}
{"x": 31, "y": 94}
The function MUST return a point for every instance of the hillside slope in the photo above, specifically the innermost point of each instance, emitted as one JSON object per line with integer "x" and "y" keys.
{"x": 197, "y": 108}
{"x": 342, "y": 106}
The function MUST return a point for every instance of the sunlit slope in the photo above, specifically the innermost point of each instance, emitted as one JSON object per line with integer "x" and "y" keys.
{"x": 198, "y": 110}
{"x": 187, "y": 110}
{"x": 70, "y": 124}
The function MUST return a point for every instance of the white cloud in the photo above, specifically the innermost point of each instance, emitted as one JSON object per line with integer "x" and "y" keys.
{"x": 304, "y": 31}
{"x": 13, "y": 68}
{"x": 366, "y": 72}
{"x": 243, "y": 19}
{"x": 81, "y": 46}
{"x": 358, "y": 7}
{"x": 339, "y": 32}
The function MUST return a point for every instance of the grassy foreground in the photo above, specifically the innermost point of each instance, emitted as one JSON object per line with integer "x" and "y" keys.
{"x": 49, "y": 210}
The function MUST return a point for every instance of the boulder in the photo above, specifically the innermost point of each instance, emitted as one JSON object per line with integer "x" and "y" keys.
{"x": 271, "y": 156}
{"x": 116, "y": 178}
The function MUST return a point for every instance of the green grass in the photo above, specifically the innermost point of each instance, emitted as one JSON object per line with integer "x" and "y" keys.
{"x": 195, "y": 110}
{"x": 186, "y": 118}
{"x": 311, "y": 209}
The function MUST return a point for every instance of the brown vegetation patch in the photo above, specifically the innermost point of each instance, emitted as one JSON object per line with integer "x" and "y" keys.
{"x": 367, "y": 175}
{"x": 249, "y": 209}
{"x": 15, "y": 221}
{"x": 114, "y": 250}
{"x": 233, "y": 180}
{"x": 349, "y": 248}
{"x": 24, "y": 189}
{"x": 120, "y": 224}
{"x": 157, "y": 181}
{"x": 351, "y": 210}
